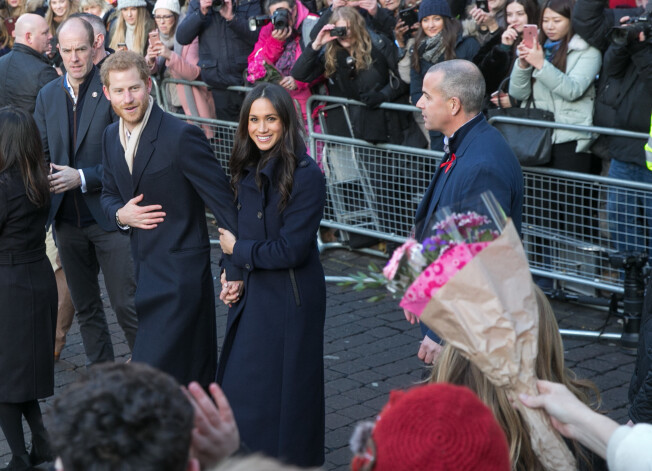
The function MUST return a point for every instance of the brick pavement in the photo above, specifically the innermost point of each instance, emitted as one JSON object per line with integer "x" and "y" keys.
{"x": 370, "y": 349}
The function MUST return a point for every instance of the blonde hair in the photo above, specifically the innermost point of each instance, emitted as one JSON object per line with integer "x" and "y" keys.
{"x": 452, "y": 367}
{"x": 357, "y": 34}
{"x": 73, "y": 7}
{"x": 144, "y": 24}
{"x": 256, "y": 462}
{"x": 103, "y": 4}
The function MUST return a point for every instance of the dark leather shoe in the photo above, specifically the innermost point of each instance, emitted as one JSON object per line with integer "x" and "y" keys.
{"x": 18, "y": 463}
{"x": 41, "y": 451}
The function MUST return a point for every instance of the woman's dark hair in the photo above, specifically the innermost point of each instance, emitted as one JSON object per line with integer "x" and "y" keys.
{"x": 449, "y": 33}
{"x": 531, "y": 8}
{"x": 20, "y": 146}
{"x": 245, "y": 152}
{"x": 565, "y": 9}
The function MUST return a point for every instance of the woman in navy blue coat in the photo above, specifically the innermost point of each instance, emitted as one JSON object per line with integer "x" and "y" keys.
{"x": 271, "y": 366}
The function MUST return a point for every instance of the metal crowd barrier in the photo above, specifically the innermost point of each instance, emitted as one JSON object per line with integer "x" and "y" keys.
{"x": 569, "y": 231}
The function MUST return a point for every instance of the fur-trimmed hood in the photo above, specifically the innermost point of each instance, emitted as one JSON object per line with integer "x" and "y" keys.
{"x": 577, "y": 44}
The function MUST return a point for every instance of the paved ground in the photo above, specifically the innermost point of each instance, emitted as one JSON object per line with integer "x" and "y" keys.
{"x": 370, "y": 349}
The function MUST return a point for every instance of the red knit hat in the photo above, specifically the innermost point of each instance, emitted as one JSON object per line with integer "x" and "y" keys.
{"x": 436, "y": 427}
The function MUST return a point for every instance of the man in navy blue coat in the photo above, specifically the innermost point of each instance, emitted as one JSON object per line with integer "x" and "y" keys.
{"x": 477, "y": 159}
{"x": 159, "y": 175}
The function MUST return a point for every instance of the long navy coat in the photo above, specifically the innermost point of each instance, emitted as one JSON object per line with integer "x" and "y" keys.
{"x": 271, "y": 367}
{"x": 484, "y": 162}
{"x": 175, "y": 302}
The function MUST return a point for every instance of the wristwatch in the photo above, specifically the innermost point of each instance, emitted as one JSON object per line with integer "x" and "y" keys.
{"x": 121, "y": 226}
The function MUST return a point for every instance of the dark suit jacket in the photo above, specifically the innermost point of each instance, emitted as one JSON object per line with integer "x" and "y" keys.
{"x": 51, "y": 117}
{"x": 175, "y": 167}
{"x": 483, "y": 161}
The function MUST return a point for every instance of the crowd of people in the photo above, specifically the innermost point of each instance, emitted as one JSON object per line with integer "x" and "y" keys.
{"x": 95, "y": 176}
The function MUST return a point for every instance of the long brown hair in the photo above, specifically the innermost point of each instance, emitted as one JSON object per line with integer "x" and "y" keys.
{"x": 449, "y": 33}
{"x": 357, "y": 34}
{"x": 245, "y": 152}
{"x": 21, "y": 147}
{"x": 144, "y": 24}
{"x": 73, "y": 7}
{"x": 452, "y": 367}
{"x": 565, "y": 9}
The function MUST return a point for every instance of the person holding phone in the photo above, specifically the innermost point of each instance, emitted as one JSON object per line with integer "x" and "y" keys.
{"x": 167, "y": 58}
{"x": 271, "y": 367}
{"x": 485, "y": 20}
{"x": 496, "y": 58}
{"x": 558, "y": 75}
{"x": 132, "y": 27}
{"x": 439, "y": 39}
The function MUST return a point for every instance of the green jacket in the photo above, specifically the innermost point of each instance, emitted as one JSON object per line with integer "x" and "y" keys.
{"x": 570, "y": 96}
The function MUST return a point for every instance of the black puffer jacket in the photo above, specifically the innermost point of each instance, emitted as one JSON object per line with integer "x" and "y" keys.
{"x": 640, "y": 387}
{"x": 224, "y": 46}
{"x": 624, "y": 94}
{"x": 373, "y": 125}
{"x": 23, "y": 72}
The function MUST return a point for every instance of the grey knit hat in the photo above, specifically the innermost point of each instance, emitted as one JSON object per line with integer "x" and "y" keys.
{"x": 131, "y": 3}
{"x": 172, "y": 5}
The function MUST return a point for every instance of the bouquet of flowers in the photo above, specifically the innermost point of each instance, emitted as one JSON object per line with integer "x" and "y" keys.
{"x": 470, "y": 283}
{"x": 260, "y": 71}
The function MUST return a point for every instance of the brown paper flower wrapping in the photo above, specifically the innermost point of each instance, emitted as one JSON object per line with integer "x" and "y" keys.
{"x": 488, "y": 311}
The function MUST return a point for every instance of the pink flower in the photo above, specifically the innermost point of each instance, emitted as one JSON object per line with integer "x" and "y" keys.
{"x": 392, "y": 266}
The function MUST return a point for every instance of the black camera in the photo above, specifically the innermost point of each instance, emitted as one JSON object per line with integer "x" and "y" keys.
{"x": 258, "y": 21}
{"x": 217, "y": 5}
{"x": 281, "y": 18}
{"x": 628, "y": 32}
{"x": 338, "y": 32}
{"x": 633, "y": 264}
{"x": 409, "y": 16}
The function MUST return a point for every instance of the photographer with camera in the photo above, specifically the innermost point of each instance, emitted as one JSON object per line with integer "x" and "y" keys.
{"x": 624, "y": 101}
{"x": 281, "y": 42}
{"x": 225, "y": 42}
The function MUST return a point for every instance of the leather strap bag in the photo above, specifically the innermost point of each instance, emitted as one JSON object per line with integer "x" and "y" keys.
{"x": 532, "y": 145}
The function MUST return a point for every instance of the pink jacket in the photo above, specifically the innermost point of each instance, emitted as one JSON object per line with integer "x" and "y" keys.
{"x": 272, "y": 49}
{"x": 185, "y": 67}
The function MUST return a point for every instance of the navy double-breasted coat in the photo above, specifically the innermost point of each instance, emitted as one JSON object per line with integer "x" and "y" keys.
{"x": 271, "y": 366}
{"x": 175, "y": 167}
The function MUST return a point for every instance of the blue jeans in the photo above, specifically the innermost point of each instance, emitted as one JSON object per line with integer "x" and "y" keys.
{"x": 630, "y": 212}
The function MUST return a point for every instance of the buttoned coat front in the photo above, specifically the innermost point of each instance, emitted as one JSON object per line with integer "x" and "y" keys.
{"x": 271, "y": 366}
{"x": 175, "y": 167}
{"x": 96, "y": 115}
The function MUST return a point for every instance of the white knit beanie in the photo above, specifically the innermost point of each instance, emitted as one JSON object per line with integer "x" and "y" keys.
{"x": 172, "y": 5}
{"x": 131, "y": 3}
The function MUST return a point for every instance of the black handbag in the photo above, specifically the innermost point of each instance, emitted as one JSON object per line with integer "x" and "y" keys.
{"x": 532, "y": 145}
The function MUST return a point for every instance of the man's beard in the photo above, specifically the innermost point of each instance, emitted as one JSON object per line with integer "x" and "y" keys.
{"x": 133, "y": 119}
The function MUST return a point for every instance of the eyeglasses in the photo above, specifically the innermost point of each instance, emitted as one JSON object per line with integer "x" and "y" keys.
{"x": 163, "y": 17}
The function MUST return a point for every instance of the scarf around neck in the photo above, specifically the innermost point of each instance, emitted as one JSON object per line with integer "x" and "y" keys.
{"x": 131, "y": 146}
{"x": 433, "y": 49}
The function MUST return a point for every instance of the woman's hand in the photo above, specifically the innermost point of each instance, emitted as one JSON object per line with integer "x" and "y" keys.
{"x": 503, "y": 97}
{"x": 227, "y": 241}
{"x": 533, "y": 57}
{"x": 231, "y": 290}
{"x": 282, "y": 34}
{"x": 288, "y": 83}
{"x": 163, "y": 51}
{"x": 510, "y": 36}
{"x": 152, "y": 53}
{"x": 399, "y": 32}
{"x": 479, "y": 15}
{"x": 323, "y": 37}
